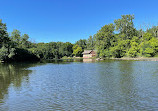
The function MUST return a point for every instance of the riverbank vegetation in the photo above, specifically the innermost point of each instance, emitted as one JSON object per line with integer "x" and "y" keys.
{"x": 129, "y": 42}
{"x": 115, "y": 40}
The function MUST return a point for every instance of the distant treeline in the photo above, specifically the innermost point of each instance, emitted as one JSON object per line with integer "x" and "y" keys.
{"x": 120, "y": 39}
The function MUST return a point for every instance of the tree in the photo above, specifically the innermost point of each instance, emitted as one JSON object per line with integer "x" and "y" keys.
{"x": 3, "y": 34}
{"x": 77, "y": 50}
{"x": 68, "y": 49}
{"x": 82, "y": 43}
{"x": 3, "y": 53}
{"x": 90, "y": 43}
{"x": 104, "y": 40}
{"x": 24, "y": 43}
{"x": 134, "y": 50}
{"x": 147, "y": 36}
{"x": 153, "y": 31}
{"x": 149, "y": 48}
{"x": 125, "y": 26}
{"x": 120, "y": 49}
{"x": 16, "y": 37}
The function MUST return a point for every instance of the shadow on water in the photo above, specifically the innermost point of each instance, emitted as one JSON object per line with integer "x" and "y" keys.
{"x": 61, "y": 61}
{"x": 67, "y": 61}
{"x": 13, "y": 74}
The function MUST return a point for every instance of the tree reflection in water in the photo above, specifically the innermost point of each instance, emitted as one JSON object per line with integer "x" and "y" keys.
{"x": 12, "y": 74}
{"x": 16, "y": 73}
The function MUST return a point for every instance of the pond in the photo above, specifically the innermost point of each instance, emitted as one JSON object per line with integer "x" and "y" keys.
{"x": 79, "y": 85}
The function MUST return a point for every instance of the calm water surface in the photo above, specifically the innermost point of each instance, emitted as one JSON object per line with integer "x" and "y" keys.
{"x": 79, "y": 86}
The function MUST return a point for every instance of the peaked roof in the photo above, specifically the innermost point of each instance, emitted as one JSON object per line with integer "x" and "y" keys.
{"x": 87, "y": 51}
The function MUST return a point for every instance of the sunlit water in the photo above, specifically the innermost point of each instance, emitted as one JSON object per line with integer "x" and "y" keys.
{"x": 79, "y": 86}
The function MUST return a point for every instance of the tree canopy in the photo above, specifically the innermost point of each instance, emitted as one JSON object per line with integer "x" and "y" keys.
{"x": 118, "y": 39}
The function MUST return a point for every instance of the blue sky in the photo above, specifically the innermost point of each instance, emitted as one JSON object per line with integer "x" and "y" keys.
{"x": 71, "y": 20}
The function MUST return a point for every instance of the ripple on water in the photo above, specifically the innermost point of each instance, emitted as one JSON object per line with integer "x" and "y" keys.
{"x": 109, "y": 85}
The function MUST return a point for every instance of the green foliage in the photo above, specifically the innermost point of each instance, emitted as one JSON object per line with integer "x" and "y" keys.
{"x": 126, "y": 26}
{"x": 23, "y": 55}
{"x": 77, "y": 51}
{"x": 119, "y": 50}
{"x": 149, "y": 48}
{"x": 11, "y": 52}
{"x": 82, "y": 43}
{"x": 12, "y": 48}
{"x": 90, "y": 43}
{"x": 52, "y": 50}
{"x": 127, "y": 41}
{"x": 153, "y": 31}
{"x": 24, "y": 43}
{"x": 149, "y": 52}
{"x": 104, "y": 40}
{"x": 16, "y": 37}
{"x": 3, "y": 54}
{"x": 134, "y": 50}
{"x": 17, "y": 47}
{"x": 147, "y": 36}
{"x": 3, "y": 34}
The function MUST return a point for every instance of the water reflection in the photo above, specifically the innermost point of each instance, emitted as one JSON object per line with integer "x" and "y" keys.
{"x": 89, "y": 60}
{"x": 16, "y": 73}
{"x": 13, "y": 74}
{"x": 124, "y": 85}
{"x": 62, "y": 61}
{"x": 69, "y": 85}
{"x": 127, "y": 88}
{"x": 126, "y": 76}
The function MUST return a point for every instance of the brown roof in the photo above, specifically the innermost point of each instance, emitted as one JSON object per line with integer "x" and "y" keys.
{"x": 87, "y": 51}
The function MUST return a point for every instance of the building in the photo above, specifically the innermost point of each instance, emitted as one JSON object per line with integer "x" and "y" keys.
{"x": 89, "y": 53}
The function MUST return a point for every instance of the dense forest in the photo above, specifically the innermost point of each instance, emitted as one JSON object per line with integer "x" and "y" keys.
{"x": 118, "y": 39}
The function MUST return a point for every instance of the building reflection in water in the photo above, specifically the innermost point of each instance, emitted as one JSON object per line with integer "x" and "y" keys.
{"x": 89, "y": 60}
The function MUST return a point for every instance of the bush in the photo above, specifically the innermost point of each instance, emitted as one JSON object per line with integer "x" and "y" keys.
{"x": 3, "y": 54}
{"x": 23, "y": 55}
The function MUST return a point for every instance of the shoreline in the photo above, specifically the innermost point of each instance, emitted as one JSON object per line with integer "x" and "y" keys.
{"x": 124, "y": 58}
{"x": 97, "y": 59}
{"x": 137, "y": 59}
